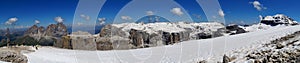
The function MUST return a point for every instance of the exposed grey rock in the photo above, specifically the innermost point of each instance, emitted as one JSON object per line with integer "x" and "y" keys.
{"x": 104, "y": 43}
{"x": 109, "y": 31}
{"x": 203, "y": 61}
{"x": 138, "y": 37}
{"x": 204, "y": 36}
{"x": 141, "y": 36}
{"x": 50, "y": 36}
{"x": 155, "y": 40}
{"x": 35, "y": 32}
{"x": 56, "y": 30}
{"x": 281, "y": 50}
{"x": 226, "y": 59}
{"x": 278, "y": 19}
{"x": 83, "y": 43}
{"x": 236, "y": 29}
{"x": 12, "y": 56}
{"x": 120, "y": 43}
{"x": 32, "y": 30}
{"x": 185, "y": 35}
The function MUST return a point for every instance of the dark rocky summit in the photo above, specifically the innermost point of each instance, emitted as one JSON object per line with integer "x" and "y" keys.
{"x": 277, "y": 20}
{"x": 235, "y": 29}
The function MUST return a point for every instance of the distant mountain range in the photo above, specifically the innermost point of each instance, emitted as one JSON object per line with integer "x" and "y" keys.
{"x": 152, "y": 19}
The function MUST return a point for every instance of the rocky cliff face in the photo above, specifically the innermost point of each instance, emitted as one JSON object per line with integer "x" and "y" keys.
{"x": 109, "y": 31}
{"x": 235, "y": 29}
{"x": 157, "y": 34}
{"x": 83, "y": 41}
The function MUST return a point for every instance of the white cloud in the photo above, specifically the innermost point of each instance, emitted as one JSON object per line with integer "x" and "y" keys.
{"x": 20, "y": 27}
{"x": 150, "y": 13}
{"x": 176, "y": 11}
{"x": 37, "y": 21}
{"x": 197, "y": 16}
{"x": 126, "y": 17}
{"x": 214, "y": 17}
{"x": 11, "y": 21}
{"x": 101, "y": 20}
{"x": 59, "y": 19}
{"x": 221, "y": 13}
{"x": 258, "y": 5}
{"x": 85, "y": 17}
{"x": 82, "y": 15}
{"x": 79, "y": 23}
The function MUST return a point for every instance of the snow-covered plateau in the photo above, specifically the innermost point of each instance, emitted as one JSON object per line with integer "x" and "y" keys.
{"x": 211, "y": 50}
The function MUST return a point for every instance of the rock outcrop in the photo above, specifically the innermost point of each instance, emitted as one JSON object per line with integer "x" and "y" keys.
{"x": 104, "y": 43}
{"x": 83, "y": 41}
{"x": 282, "y": 50}
{"x": 66, "y": 42}
{"x": 12, "y": 56}
{"x": 278, "y": 19}
{"x": 138, "y": 38}
{"x": 171, "y": 38}
{"x": 235, "y": 29}
{"x": 109, "y": 31}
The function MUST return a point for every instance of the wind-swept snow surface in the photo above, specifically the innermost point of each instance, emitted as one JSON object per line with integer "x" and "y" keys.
{"x": 184, "y": 52}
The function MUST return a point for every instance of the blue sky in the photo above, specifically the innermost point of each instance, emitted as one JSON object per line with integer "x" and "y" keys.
{"x": 45, "y": 11}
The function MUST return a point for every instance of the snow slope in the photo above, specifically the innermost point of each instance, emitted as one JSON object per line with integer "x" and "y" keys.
{"x": 184, "y": 52}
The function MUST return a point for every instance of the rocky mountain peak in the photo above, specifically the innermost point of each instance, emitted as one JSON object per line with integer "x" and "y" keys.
{"x": 56, "y": 30}
{"x": 278, "y": 19}
{"x": 32, "y": 30}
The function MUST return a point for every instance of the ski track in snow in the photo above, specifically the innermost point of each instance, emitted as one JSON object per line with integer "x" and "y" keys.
{"x": 191, "y": 51}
